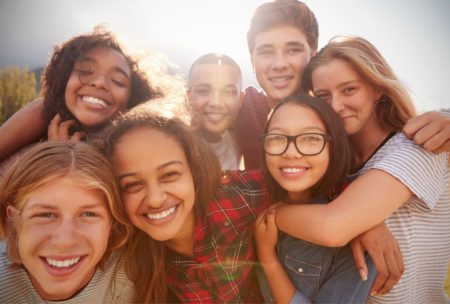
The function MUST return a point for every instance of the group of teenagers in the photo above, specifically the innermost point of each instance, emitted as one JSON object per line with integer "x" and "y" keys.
{"x": 325, "y": 186}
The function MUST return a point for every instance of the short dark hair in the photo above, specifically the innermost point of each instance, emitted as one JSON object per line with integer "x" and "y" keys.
{"x": 284, "y": 12}
{"x": 214, "y": 58}
{"x": 339, "y": 147}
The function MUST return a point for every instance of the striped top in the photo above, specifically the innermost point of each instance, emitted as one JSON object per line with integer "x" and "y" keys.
{"x": 109, "y": 286}
{"x": 422, "y": 224}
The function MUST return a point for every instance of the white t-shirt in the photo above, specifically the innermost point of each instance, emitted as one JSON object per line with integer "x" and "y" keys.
{"x": 422, "y": 224}
{"x": 227, "y": 151}
{"x": 109, "y": 286}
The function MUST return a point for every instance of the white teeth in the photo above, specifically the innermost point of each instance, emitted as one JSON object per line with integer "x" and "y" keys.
{"x": 62, "y": 264}
{"x": 165, "y": 213}
{"x": 293, "y": 170}
{"x": 280, "y": 79}
{"x": 93, "y": 100}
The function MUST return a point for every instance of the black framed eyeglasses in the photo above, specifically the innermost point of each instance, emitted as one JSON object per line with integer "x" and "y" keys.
{"x": 307, "y": 144}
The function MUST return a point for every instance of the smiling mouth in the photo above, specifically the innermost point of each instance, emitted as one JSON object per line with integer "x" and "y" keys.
{"x": 280, "y": 80}
{"x": 62, "y": 264}
{"x": 161, "y": 215}
{"x": 94, "y": 101}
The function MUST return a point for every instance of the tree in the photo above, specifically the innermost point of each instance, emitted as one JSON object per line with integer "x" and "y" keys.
{"x": 17, "y": 88}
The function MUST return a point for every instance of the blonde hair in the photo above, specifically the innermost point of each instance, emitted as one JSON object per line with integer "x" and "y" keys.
{"x": 395, "y": 106}
{"x": 54, "y": 159}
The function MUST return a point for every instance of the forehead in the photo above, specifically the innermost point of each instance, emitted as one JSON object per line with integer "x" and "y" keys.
{"x": 145, "y": 148}
{"x": 335, "y": 70}
{"x": 280, "y": 35}
{"x": 107, "y": 57}
{"x": 215, "y": 74}
{"x": 66, "y": 192}
{"x": 296, "y": 117}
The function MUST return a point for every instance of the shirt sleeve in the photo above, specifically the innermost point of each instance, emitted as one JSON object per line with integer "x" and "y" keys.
{"x": 423, "y": 172}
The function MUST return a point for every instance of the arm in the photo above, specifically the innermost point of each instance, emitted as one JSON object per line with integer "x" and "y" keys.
{"x": 385, "y": 252}
{"x": 431, "y": 130}
{"x": 364, "y": 204}
{"x": 266, "y": 234}
{"x": 25, "y": 127}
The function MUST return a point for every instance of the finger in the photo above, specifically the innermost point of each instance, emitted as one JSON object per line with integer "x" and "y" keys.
{"x": 431, "y": 136}
{"x": 64, "y": 128}
{"x": 53, "y": 127}
{"x": 394, "y": 275}
{"x": 415, "y": 124}
{"x": 76, "y": 137}
{"x": 360, "y": 261}
{"x": 382, "y": 273}
{"x": 445, "y": 147}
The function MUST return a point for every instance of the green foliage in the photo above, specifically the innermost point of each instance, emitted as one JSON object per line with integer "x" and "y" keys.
{"x": 17, "y": 88}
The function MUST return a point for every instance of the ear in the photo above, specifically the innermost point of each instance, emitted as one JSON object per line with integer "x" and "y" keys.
{"x": 378, "y": 93}
{"x": 241, "y": 98}
{"x": 11, "y": 212}
{"x": 313, "y": 53}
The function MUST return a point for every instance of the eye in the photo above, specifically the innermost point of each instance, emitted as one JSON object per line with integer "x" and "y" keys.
{"x": 348, "y": 90}
{"x": 89, "y": 214}
{"x": 119, "y": 83}
{"x": 324, "y": 96}
{"x": 44, "y": 215}
{"x": 230, "y": 92}
{"x": 170, "y": 176}
{"x": 293, "y": 51}
{"x": 132, "y": 186}
{"x": 311, "y": 138}
{"x": 264, "y": 52}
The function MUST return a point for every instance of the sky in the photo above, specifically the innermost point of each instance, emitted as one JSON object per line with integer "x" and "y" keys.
{"x": 413, "y": 35}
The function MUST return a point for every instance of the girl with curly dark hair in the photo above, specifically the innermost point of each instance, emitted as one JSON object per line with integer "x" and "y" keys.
{"x": 88, "y": 80}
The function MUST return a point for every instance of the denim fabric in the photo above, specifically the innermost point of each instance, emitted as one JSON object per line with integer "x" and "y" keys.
{"x": 324, "y": 274}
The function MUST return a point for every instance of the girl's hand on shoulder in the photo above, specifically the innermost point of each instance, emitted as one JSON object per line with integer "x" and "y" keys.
{"x": 60, "y": 130}
{"x": 431, "y": 130}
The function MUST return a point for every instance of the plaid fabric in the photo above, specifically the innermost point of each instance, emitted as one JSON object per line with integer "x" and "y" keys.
{"x": 221, "y": 270}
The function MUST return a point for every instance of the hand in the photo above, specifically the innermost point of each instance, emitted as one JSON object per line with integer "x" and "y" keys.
{"x": 58, "y": 130}
{"x": 431, "y": 130}
{"x": 385, "y": 252}
{"x": 266, "y": 235}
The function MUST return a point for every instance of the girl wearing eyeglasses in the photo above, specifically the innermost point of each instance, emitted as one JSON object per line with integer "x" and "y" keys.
{"x": 304, "y": 162}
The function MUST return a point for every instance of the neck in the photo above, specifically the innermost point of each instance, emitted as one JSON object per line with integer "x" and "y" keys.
{"x": 366, "y": 141}
{"x": 297, "y": 197}
{"x": 212, "y": 137}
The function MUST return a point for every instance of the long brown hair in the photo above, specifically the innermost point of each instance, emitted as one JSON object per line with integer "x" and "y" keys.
{"x": 145, "y": 256}
{"x": 395, "y": 107}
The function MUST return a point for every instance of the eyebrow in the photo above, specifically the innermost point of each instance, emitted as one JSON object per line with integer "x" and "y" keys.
{"x": 304, "y": 130}
{"x": 116, "y": 68}
{"x": 169, "y": 163}
{"x": 289, "y": 43}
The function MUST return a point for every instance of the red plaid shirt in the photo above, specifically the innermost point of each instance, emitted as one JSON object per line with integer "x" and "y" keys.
{"x": 221, "y": 270}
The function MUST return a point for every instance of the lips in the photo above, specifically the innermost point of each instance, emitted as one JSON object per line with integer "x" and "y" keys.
{"x": 161, "y": 215}
{"x": 215, "y": 116}
{"x": 94, "y": 101}
{"x": 62, "y": 263}
{"x": 280, "y": 81}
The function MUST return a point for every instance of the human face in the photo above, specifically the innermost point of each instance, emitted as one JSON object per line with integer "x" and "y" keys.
{"x": 62, "y": 234}
{"x": 351, "y": 96}
{"x": 156, "y": 184}
{"x": 279, "y": 57}
{"x": 98, "y": 87}
{"x": 294, "y": 172}
{"x": 215, "y": 94}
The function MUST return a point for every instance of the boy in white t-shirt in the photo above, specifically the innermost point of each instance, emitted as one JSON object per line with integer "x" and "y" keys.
{"x": 215, "y": 95}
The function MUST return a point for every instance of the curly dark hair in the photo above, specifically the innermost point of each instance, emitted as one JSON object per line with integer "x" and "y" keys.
{"x": 57, "y": 72}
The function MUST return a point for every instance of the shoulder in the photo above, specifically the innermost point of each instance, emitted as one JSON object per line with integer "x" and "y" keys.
{"x": 245, "y": 180}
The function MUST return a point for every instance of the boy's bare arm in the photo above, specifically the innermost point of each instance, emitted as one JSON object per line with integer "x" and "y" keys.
{"x": 25, "y": 127}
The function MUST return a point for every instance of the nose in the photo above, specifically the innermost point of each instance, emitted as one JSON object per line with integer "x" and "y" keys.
{"x": 279, "y": 61}
{"x": 99, "y": 81}
{"x": 336, "y": 104}
{"x": 155, "y": 197}
{"x": 66, "y": 234}
{"x": 291, "y": 151}
{"x": 216, "y": 99}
